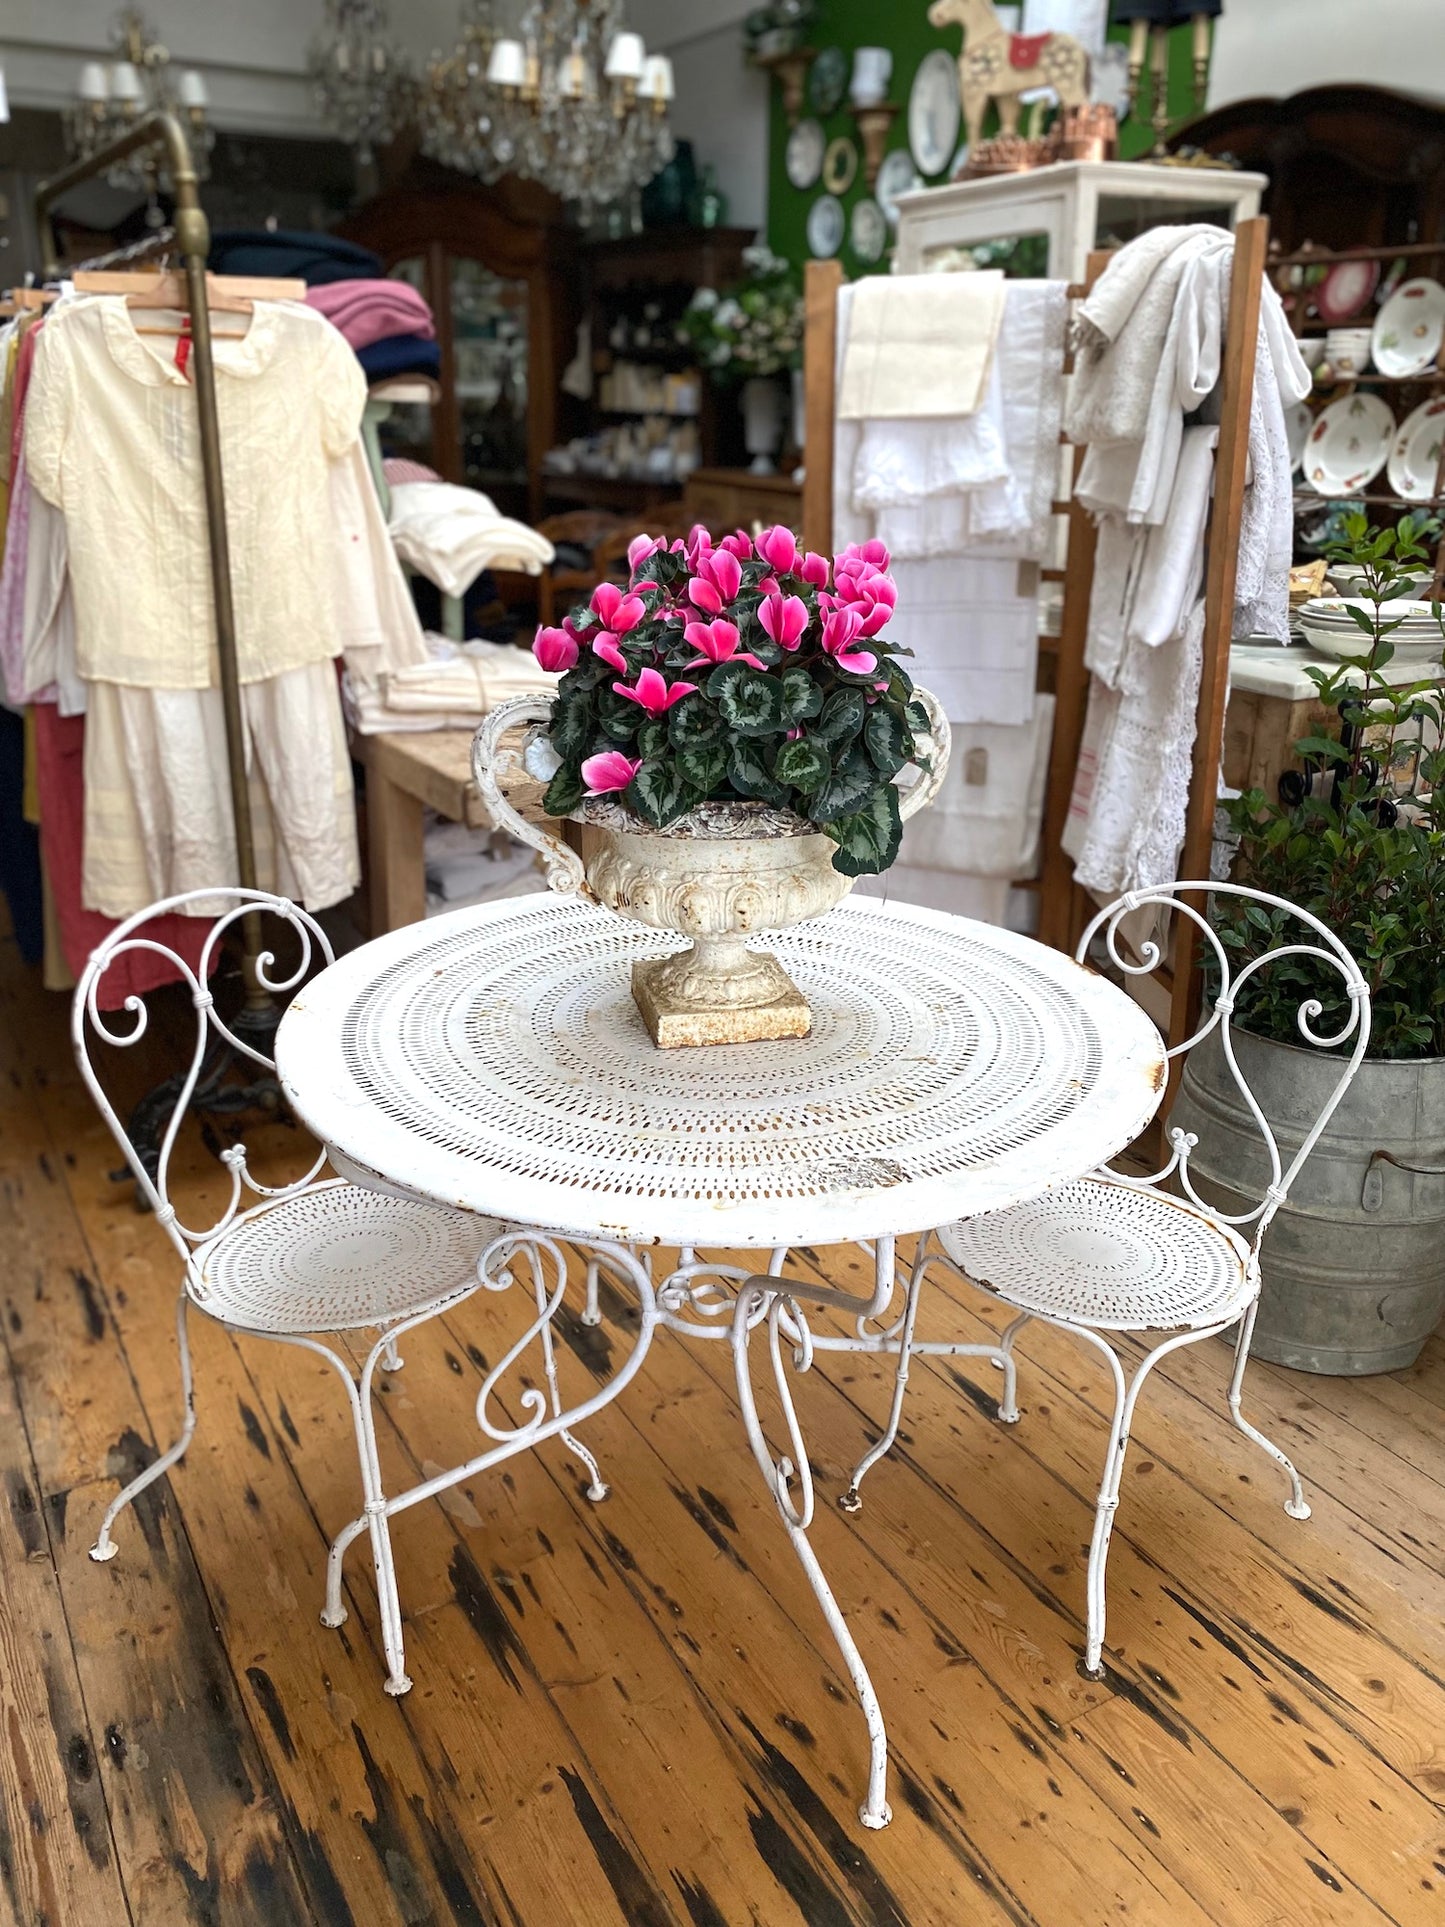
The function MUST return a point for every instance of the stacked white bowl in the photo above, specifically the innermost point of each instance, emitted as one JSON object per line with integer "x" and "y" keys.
{"x": 1347, "y": 350}
{"x": 1328, "y": 624}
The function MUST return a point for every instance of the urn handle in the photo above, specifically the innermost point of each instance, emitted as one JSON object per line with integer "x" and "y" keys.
{"x": 936, "y": 746}
{"x": 563, "y": 868}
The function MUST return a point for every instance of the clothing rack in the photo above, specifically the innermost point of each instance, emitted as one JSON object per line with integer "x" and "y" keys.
{"x": 193, "y": 244}
{"x": 1065, "y": 907}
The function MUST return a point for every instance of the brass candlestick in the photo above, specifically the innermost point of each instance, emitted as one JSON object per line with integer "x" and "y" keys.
{"x": 792, "y": 72}
{"x": 873, "y": 125}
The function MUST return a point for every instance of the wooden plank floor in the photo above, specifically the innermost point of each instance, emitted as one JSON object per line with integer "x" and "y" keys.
{"x": 633, "y": 1713}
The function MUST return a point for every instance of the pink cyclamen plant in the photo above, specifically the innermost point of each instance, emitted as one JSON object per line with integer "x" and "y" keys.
{"x": 743, "y": 668}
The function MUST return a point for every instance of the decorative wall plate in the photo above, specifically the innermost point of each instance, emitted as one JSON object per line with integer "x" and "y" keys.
{"x": 1346, "y": 289}
{"x": 1349, "y": 444}
{"x": 896, "y": 176}
{"x": 804, "y": 159}
{"x": 1409, "y": 328}
{"x": 825, "y": 226}
{"x": 1297, "y": 421}
{"x": 934, "y": 111}
{"x": 1415, "y": 458}
{"x": 840, "y": 164}
{"x": 868, "y": 231}
{"x": 828, "y": 80}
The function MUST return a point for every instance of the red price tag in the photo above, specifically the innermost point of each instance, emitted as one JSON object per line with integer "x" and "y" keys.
{"x": 183, "y": 348}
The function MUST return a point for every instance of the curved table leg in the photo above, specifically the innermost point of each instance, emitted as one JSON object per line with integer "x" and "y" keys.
{"x": 774, "y": 1300}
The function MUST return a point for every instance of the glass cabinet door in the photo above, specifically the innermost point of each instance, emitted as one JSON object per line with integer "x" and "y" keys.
{"x": 489, "y": 357}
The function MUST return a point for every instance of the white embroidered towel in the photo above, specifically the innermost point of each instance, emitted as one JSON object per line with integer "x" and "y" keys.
{"x": 972, "y": 623}
{"x": 920, "y": 345}
{"x": 985, "y": 821}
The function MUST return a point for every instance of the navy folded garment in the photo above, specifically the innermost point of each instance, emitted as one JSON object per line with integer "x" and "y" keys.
{"x": 399, "y": 355}
{"x": 314, "y": 258}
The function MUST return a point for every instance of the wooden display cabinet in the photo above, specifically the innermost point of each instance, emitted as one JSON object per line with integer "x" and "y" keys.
{"x": 499, "y": 267}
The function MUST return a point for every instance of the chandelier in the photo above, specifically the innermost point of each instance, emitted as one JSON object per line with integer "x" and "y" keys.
{"x": 565, "y": 96}
{"x": 111, "y": 98}
{"x": 360, "y": 79}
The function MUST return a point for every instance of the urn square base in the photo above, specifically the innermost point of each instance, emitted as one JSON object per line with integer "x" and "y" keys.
{"x": 776, "y": 1007}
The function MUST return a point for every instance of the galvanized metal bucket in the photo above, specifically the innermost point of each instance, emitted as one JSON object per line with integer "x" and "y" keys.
{"x": 1354, "y": 1263}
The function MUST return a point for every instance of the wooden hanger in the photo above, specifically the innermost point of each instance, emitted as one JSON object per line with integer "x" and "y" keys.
{"x": 168, "y": 290}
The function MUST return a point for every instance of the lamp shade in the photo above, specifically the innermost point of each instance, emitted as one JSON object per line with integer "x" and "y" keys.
{"x": 125, "y": 83}
{"x": 626, "y": 57}
{"x": 192, "y": 90}
{"x": 657, "y": 82}
{"x": 94, "y": 84}
{"x": 507, "y": 66}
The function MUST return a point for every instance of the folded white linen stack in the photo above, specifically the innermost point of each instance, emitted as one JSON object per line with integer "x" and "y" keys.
{"x": 453, "y": 689}
{"x": 450, "y": 535}
{"x": 963, "y": 502}
{"x": 1149, "y": 343}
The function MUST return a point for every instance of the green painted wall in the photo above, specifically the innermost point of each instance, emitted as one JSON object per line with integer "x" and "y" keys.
{"x": 903, "y": 26}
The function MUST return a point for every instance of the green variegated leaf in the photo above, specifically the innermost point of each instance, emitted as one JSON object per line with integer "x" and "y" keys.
{"x": 868, "y": 839}
{"x": 693, "y": 723}
{"x": 565, "y": 791}
{"x": 750, "y": 703}
{"x": 802, "y": 698}
{"x": 887, "y": 739}
{"x": 853, "y": 777}
{"x": 841, "y": 718}
{"x": 571, "y": 728}
{"x": 658, "y": 793}
{"x": 703, "y": 766}
{"x": 802, "y": 765}
{"x": 750, "y": 775}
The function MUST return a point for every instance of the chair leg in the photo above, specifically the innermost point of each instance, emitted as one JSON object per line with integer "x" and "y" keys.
{"x": 391, "y": 1358}
{"x": 105, "y": 1547}
{"x": 1296, "y": 1505}
{"x": 1105, "y": 1507}
{"x": 596, "y": 1488}
{"x": 1008, "y": 1405}
{"x": 851, "y": 1500}
{"x": 378, "y": 1524}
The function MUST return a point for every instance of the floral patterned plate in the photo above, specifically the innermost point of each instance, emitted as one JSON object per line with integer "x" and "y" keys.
{"x": 1415, "y": 458}
{"x": 1349, "y": 444}
{"x": 1409, "y": 328}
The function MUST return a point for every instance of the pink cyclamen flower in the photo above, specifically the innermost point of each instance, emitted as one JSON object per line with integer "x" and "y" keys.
{"x": 654, "y": 693}
{"x": 698, "y": 546}
{"x": 609, "y": 771}
{"x": 718, "y": 642}
{"x": 814, "y": 569}
{"x": 778, "y": 549}
{"x": 739, "y": 544}
{"x": 840, "y": 630}
{"x": 640, "y": 548}
{"x": 605, "y": 645}
{"x": 555, "y": 650}
{"x": 784, "y": 618}
{"x": 724, "y": 572}
{"x": 619, "y": 612}
{"x": 702, "y": 595}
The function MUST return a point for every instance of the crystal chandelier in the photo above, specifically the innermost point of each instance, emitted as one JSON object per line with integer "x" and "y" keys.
{"x": 111, "y": 98}
{"x": 360, "y": 78}
{"x": 566, "y": 96}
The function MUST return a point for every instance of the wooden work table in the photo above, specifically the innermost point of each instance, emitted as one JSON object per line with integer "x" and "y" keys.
{"x": 407, "y": 774}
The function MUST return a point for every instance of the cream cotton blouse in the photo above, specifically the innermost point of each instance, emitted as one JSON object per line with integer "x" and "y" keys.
{"x": 111, "y": 438}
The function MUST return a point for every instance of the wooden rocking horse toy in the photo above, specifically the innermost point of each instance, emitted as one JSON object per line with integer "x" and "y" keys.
{"x": 995, "y": 64}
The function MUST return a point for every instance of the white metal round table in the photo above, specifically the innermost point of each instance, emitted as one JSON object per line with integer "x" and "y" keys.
{"x": 493, "y": 1059}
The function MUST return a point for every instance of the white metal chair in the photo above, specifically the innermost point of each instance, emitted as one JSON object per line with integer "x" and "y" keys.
{"x": 1111, "y": 1253}
{"x": 320, "y": 1254}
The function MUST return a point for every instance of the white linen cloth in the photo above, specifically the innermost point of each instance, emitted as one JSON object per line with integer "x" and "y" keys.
{"x": 112, "y": 439}
{"x": 920, "y": 345}
{"x": 972, "y": 623}
{"x": 986, "y": 819}
{"x": 158, "y": 803}
{"x": 450, "y": 534}
{"x": 453, "y": 688}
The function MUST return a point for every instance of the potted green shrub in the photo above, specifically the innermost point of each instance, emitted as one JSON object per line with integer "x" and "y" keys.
{"x": 1354, "y": 1264}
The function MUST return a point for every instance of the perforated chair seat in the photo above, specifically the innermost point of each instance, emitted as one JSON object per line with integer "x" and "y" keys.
{"x": 1110, "y": 1256}
{"x": 338, "y": 1258}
